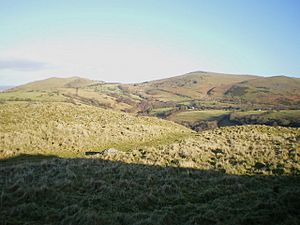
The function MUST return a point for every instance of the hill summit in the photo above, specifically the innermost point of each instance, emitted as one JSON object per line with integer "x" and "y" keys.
{"x": 55, "y": 83}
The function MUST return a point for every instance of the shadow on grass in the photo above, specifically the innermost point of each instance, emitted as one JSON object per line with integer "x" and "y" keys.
{"x": 38, "y": 189}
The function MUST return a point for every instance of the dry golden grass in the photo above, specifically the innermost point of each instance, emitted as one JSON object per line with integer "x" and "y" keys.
{"x": 168, "y": 175}
{"x": 66, "y": 129}
{"x": 47, "y": 190}
{"x": 234, "y": 150}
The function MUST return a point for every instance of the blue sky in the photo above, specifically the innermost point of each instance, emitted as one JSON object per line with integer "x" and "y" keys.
{"x": 132, "y": 41}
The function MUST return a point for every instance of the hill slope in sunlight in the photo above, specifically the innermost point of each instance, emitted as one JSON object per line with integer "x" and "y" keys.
{"x": 268, "y": 90}
{"x": 54, "y": 83}
{"x": 195, "y": 85}
{"x": 190, "y": 95}
{"x": 251, "y": 149}
{"x": 207, "y": 87}
{"x": 68, "y": 129}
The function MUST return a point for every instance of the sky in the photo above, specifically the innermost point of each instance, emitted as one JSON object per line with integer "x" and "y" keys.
{"x": 138, "y": 40}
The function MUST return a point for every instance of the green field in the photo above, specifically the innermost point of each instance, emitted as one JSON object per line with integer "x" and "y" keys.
{"x": 273, "y": 117}
{"x": 285, "y": 114}
{"x": 240, "y": 114}
{"x": 158, "y": 111}
{"x": 196, "y": 116}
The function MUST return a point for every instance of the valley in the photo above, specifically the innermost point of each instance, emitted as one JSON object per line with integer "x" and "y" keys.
{"x": 129, "y": 112}
{"x": 217, "y": 97}
{"x": 184, "y": 150}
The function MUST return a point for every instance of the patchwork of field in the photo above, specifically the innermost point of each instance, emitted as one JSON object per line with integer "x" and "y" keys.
{"x": 196, "y": 116}
{"x": 288, "y": 118}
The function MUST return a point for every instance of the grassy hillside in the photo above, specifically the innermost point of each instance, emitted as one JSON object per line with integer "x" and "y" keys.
{"x": 238, "y": 175}
{"x": 66, "y": 129}
{"x": 241, "y": 91}
{"x": 25, "y": 96}
{"x": 199, "y": 100}
{"x": 269, "y": 90}
{"x": 251, "y": 149}
{"x": 54, "y": 83}
{"x": 201, "y": 90}
{"x": 75, "y": 90}
{"x": 67, "y": 158}
{"x": 196, "y": 85}
{"x": 155, "y": 171}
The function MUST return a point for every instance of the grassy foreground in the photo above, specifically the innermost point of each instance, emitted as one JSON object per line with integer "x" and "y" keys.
{"x": 167, "y": 175}
{"x": 66, "y": 129}
{"x": 45, "y": 190}
{"x": 243, "y": 150}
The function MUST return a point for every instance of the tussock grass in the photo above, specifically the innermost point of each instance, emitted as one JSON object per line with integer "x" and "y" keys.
{"x": 235, "y": 150}
{"x": 95, "y": 191}
{"x": 68, "y": 130}
{"x": 161, "y": 173}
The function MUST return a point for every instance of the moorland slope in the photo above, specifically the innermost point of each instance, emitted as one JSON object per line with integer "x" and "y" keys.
{"x": 236, "y": 175}
{"x": 67, "y": 129}
{"x": 206, "y": 87}
{"x": 145, "y": 170}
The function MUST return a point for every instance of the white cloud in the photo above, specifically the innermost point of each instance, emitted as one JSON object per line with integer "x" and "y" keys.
{"x": 109, "y": 60}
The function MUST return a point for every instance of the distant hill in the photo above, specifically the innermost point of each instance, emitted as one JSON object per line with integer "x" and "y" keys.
{"x": 268, "y": 90}
{"x": 65, "y": 161}
{"x": 4, "y": 88}
{"x": 195, "y": 90}
{"x": 195, "y": 85}
{"x": 55, "y": 83}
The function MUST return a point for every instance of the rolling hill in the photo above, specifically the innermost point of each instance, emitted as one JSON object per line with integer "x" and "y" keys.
{"x": 64, "y": 159}
{"x": 204, "y": 87}
{"x": 54, "y": 83}
{"x": 66, "y": 129}
{"x": 169, "y": 98}
{"x": 195, "y": 85}
{"x": 268, "y": 90}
